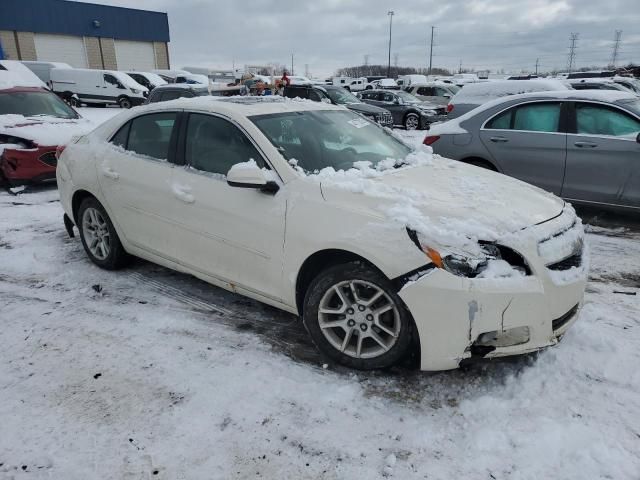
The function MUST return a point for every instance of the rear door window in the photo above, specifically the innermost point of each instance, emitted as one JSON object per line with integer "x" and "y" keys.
{"x": 150, "y": 135}
{"x": 532, "y": 117}
{"x": 592, "y": 119}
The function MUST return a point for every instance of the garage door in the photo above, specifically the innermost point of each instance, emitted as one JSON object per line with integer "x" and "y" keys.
{"x": 135, "y": 55}
{"x": 61, "y": 48}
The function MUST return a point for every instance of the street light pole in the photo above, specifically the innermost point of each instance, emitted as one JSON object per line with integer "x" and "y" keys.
{"x": 390, "y": 13}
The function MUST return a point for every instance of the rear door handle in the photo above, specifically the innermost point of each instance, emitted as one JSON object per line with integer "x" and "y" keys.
{"x": 498, "y": 139}
{"x": 110, "y": 173}
{"x": 585, "y": 145}
{"x": 183, "y": 193}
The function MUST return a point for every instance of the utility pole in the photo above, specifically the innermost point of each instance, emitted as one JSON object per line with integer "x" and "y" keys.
{"x": 460, "y": 67}
{"x": 572, "y": 51}
{"x": 292, "y": 64}
{"x": 366, "y": 60}
{"x": 390, "y": 14}
{"x": 537, "y": 64}
{"x": 395, "y": 59}
{"x": 431, "y": 50}
{"x": 306, "y": 70}
{"x": 616, "y": 48}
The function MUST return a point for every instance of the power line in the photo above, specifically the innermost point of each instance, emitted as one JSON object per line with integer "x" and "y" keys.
{"x": 616, "y": 48}
{"x": 572, "y": 51}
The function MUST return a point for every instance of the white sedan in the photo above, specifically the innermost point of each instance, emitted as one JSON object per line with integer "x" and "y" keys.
{"x": 382, "y": 249}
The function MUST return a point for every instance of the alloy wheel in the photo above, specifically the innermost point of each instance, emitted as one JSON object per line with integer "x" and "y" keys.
{"x": 359, "y": 319}
{"x": 96, "y": 233}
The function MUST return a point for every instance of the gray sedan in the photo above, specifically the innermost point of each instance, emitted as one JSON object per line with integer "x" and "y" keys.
{"x": 581, "y": 145}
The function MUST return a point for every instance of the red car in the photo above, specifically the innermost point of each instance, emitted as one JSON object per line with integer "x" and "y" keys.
{"x": 33, "y": 123}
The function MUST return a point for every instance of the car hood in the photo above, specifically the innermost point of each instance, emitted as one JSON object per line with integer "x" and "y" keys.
{"x": 43, "y": 131}
{"x": 449, "y": 193}
{"x": 365, "y": 108}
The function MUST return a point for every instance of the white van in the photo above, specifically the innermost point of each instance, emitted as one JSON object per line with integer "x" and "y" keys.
{"x": 43, "y": 69}
{"x": 405, "y": 81}
{"x": 97, "y": 87}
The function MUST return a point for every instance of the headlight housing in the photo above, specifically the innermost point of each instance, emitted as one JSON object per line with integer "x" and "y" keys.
{"x": 133, "y": 90}
{"x": 472, "y": 265}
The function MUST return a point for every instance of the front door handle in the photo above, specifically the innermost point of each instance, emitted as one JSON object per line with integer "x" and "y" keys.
{"x": 183, "y": 193}
{"x": 586, "y": 144}
{"x": 110, "y": 173}
{"x": 499, "y": 139}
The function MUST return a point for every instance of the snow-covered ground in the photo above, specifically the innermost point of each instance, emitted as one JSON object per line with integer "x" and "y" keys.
{"x": 147, "y": 373}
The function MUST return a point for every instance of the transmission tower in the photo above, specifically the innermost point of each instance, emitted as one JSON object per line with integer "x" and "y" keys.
{"x": 616, "y": 48}
{"x": 572, "y": 51}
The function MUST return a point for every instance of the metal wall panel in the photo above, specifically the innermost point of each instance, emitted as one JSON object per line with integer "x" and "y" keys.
{"x": 83, "y": 20}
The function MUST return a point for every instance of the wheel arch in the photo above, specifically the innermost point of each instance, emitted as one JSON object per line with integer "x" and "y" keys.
{"x": 475, "y": 160}
{"x": 319, "y": 261}
{"x": 76, "y": 201}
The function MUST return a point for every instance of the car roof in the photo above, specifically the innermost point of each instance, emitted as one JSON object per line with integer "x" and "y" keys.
{"x": 245, "y": 105}
{"x": 19, "y": 89}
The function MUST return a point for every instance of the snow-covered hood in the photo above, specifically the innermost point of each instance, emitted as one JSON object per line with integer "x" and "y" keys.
{"x": 450, "y": 201}
{"x": 44, "y": 131}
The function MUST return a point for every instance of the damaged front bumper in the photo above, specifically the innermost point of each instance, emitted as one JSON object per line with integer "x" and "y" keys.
{"x": 458, "y": 317}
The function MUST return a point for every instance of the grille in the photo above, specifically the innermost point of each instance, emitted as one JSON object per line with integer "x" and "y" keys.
{"x": 385, "y": 119}
{"x": 560, "y": 322}
{"x": 49, "y": 158}
{"x": 574, "y": 260}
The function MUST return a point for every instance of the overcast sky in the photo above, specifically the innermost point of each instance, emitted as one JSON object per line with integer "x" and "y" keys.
{"x": 328, "y": 34}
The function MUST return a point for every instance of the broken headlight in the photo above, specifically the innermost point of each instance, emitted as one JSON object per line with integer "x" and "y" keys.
{"x": 469, "y": 264}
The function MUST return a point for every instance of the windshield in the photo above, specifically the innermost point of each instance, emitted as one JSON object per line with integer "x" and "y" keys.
{"x": 32, "y": 104}
{"x": 407, "y": 97}
{"x": 342, "y": 96}
{"x": 326, "y": 138}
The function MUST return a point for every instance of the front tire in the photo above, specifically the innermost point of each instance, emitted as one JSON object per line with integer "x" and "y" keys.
{"x": 99, "y": 237}
{"x": 124, "y": 102}
{"x": 412, "y": 121}
{"x": 355, "y": 317}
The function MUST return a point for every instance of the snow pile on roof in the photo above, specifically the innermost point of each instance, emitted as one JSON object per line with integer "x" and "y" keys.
{"x": 481, "y": 92}
{"x": 45, "y": 131}
{"x": 15, "y": 74}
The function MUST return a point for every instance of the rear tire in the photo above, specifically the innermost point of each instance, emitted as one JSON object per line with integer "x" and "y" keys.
{"x": 356, "y": 318}
{"x": 99, "y": 237}
{"x": 482, "y": 164}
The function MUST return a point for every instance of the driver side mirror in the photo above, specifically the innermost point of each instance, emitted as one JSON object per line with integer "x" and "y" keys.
{"x": 447, "y": 95}
{"x": 249, "y": 175}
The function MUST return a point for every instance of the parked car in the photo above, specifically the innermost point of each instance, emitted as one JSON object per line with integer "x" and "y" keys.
{"x": 582, "y": 145}
{"x": 475, "y": 94}
{"x": 437, "y": 93}
{"x": 249, "y": 215}
{"x": 382, "y": 84}
{"x": 181, "y": 76}
{"x": 340, "y": 96}
{"x": 14, "y": 73}
{"x": 33, "y": 123}
{"x": 43, "y": 69}
{"x": 462, "y": 79}
{"x": 172, "y": 91}
{"x": 407, "y": 110}
{"x": 405, "y": 81}
{"x": 147, "y": 79}
{"x": 599, "y": 84}
{"x": 97, "y": 87}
